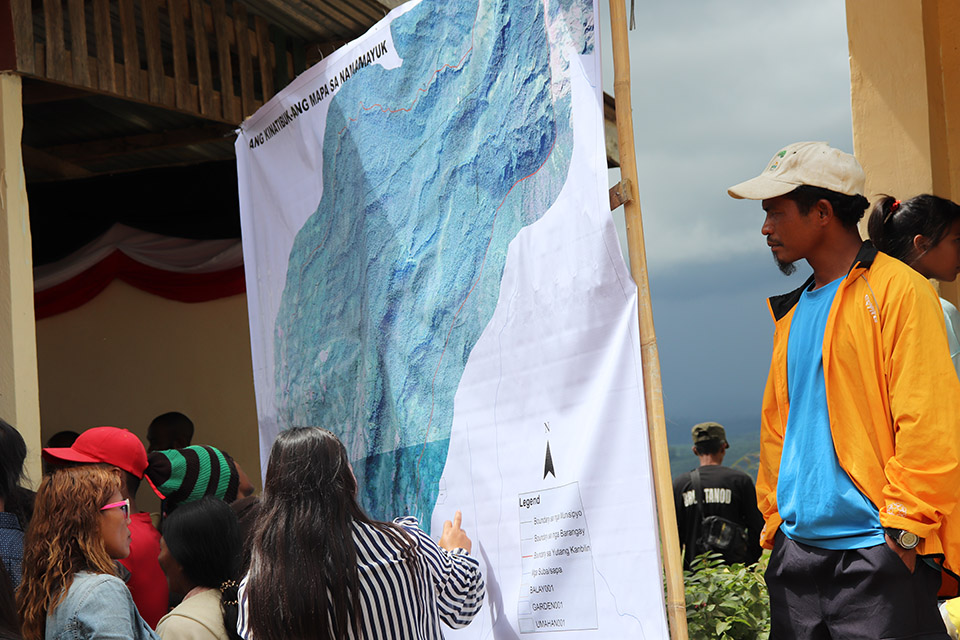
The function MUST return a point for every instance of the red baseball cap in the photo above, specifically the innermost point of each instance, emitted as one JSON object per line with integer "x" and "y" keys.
{"x": 108, "y": 445}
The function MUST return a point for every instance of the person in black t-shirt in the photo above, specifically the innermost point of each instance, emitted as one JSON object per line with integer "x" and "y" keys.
{"x": 728, "y": 493}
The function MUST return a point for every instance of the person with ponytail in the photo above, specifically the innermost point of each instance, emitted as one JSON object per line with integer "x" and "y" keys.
{"x": 923, "y": 232}
{"x": 200, "y": 552}
{"x": 322, "y": 569}
{"x": 70, "y": 587}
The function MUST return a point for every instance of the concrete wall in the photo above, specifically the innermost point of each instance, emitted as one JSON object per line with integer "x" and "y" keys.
{"x": 905, "y": 97}
{"x": 128, "y": 356}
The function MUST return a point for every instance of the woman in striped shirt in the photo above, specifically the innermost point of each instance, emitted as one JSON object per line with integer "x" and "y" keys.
{"x": 321, "y": 568}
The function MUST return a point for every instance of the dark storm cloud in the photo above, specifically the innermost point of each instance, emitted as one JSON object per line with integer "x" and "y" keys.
{"x": 717, "y": 89}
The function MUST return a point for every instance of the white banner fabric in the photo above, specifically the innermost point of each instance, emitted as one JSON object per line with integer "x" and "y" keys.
{"x": 433, "y": 274}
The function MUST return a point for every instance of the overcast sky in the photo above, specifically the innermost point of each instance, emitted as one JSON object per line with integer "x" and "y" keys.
{"x": 718, "y": 88}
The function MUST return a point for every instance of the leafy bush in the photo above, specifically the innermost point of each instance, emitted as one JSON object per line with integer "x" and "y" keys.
{"x": 726, "y": 602}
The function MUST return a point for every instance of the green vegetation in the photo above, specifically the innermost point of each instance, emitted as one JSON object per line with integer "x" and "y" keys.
{"x": 726, "y": 602}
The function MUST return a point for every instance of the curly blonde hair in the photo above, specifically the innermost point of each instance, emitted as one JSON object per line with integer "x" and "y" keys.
{"x": 63, "y": 538}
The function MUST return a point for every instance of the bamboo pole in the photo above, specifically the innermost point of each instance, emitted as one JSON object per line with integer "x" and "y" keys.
{"x": 652, "y": 388}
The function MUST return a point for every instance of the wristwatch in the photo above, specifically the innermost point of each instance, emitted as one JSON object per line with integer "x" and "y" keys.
{"x": 905, "y": 539}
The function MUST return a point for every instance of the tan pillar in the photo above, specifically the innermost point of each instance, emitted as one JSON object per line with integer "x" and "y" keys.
{"x": 905, "y": 98}
{"x": 942, "y": 30}
{"x": 19, "y": 388}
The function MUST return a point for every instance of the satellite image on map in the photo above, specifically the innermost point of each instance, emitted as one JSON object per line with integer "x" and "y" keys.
{"x": 430, "y": 170}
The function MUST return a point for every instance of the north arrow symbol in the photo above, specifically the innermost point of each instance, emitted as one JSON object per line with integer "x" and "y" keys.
{"x": 548, "y": 464}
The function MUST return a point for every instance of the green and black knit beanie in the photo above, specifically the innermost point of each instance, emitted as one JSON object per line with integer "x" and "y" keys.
{"x": 185, "y": 475}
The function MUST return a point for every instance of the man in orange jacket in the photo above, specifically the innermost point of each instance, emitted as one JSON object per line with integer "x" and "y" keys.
{"x": 860, "y": 455}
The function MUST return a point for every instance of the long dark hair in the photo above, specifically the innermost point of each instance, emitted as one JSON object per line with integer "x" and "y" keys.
{"x": 303, "y": 580}
{"x": 894, "y": 224}
{"x": 204, "y": 538}
{"x": 13, "y": 451}
{"x": 9, "y": 620}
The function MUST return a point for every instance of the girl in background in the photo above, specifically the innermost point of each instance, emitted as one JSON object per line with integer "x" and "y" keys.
{"x": 200, "y": 552}
{"x": 70, "y": 587}
{"x": 923, "y": 232}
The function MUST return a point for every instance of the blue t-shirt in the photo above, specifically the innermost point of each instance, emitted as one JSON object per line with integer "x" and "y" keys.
{"x": 818, "y": 502}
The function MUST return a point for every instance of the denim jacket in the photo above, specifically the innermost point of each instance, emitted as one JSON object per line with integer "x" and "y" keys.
{"x": 97, "y": 606}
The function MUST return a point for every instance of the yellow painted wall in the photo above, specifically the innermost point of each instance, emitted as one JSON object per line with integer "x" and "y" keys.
{"x": 128, "y": 356}
{"x": 905, "y": 98}
{"x": 889, "y": 96}
{"x": 18, "y": 359}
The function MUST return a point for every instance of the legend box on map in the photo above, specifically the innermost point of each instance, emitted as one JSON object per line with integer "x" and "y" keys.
{"x": 557, "y": 591}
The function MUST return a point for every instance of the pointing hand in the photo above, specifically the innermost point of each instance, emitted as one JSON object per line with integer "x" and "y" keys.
{"x": 453, "y": 536}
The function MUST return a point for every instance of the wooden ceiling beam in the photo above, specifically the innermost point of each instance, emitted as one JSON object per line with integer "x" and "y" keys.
{"x": 44, "y": 92}
{"x": 341, "y": 14}
{"x": 375, "y": 10}
{"x": 165, "y": 164}
{"x": 311, "y": 21}
{"x": 51, "y": 166}
{"x": 317, "y": 51}
{"x": 112, "y": 147}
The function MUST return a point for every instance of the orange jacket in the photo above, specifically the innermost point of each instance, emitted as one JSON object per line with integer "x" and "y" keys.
{"x": 893, "y": 398}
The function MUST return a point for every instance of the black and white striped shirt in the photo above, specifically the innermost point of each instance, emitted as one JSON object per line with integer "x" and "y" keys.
{"x": 393, "y": 604}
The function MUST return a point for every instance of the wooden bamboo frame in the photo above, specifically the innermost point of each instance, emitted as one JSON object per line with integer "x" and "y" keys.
{"x": 652, "y": 387}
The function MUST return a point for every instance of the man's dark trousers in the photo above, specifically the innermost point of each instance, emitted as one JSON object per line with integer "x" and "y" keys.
{"x": 868, "y": 594}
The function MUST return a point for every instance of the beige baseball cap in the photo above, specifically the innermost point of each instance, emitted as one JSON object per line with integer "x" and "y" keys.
{"x": 804, "y": 163}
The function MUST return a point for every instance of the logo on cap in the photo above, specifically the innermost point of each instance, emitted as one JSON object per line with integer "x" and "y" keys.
{"x": 776, "y": 163}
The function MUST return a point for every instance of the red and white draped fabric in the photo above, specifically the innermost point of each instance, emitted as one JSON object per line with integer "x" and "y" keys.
{"x": 174, "y": 268}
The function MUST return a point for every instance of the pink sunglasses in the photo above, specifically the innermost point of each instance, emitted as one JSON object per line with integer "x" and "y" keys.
{"x": 123, "y": 504}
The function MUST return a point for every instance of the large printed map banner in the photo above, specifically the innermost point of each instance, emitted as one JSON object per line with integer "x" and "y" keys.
{"x": 433, "y": 274}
